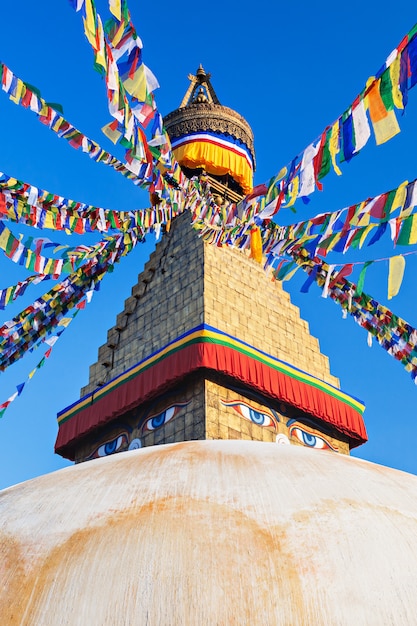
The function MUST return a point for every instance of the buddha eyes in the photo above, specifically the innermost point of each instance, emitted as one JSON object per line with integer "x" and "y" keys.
{"x": 309, "y": 439}
{"x": 110, "y": 447}
{"x": 257, "y": 417}
{"x": 158, "y": 420}
{"x": 151, "y": 423}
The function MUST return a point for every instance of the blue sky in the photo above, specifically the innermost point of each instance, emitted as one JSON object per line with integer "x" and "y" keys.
{"x": 290, "y": 70}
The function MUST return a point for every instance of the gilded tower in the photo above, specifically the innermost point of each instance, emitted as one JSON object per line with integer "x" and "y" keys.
{"x": 207, "y": 345}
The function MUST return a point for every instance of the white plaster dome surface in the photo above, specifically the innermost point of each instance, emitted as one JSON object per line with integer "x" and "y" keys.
{"x": 211, "y": 533}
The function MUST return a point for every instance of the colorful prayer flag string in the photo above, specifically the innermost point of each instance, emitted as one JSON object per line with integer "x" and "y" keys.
{"x": 50, "y": 341}
{"x": 20, "y": 93}
{"x": 345, "y": 138}
{"x": 23, "y": 203}
{"x": 393, "y": 333}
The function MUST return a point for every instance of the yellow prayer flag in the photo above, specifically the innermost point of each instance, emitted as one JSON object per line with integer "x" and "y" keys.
{"x": 363, "y": 220}
{"x": 118, "y": 35}
{"x": 49, "y": 220}
{"x": 48, "y": 266}
{"x": 101, "y": 57}
{"x": 395, "y": 275}
{"x": 386, "y": 128}
{"x": 400, "y": 197}
{"x": 294, "y": 187}
{"x": 29, "y": 257}
{"x": 137, "y": 86}
{"x": 413, "y": 229}
{"x": 115, "y": 7}
{"x": 18, "y": 93}
{"x": 256, "y": 244}
{"x": 44, "y": 109}
{"x": 113, "y": 135}
{"x": 89, "y": 23}
{"x": 394, "y": 70}
{"x": 4, "y": 237}
{"x": 334, "y": 146}
{"x": 365, "y": 233}
{"x": 358, "y": 215}
{"x": 9, "y": 294}
{"x": 335, "y": 239}
{"x": 282, "y": 172}
{"x": 65, "y": 321}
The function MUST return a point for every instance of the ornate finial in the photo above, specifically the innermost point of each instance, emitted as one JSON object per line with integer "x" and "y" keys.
{"x": 200, "y": 89}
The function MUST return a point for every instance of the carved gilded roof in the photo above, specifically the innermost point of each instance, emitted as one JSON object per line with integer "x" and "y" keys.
{"x": 201, "y": 111}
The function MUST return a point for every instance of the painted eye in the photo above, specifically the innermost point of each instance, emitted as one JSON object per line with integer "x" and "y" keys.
{"x": 110, "y": 447}
{"x": 257, "y": 417}
{"x": 158, "y": 420}
{"x": 310, "y": 440}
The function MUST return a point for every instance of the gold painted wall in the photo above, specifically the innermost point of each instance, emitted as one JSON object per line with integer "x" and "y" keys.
{"x": 187, "y": 282}
{"x": 210, "y": 409}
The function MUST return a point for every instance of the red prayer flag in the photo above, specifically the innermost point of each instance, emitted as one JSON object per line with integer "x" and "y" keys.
{"x": 377, "y": 209}
{"x": 3, "y": 206}
{"x": 345, "y": 271}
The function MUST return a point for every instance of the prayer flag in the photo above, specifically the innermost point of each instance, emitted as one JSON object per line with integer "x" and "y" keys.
{"x": 408, "y": 234}
{"x": 394, "y": 70}
{"x": 395, "y": 275}
{"x": 116, "y": 8}
{"x": 361, "y": 280}
{"x": 384, "y": 122}
{"x": 334, "y": 146}
{"x": 256, "y": 244}
{"x": 360, "y": 125}
{"x": 325, "y": 292}
{"x": 110, "y": 130}
{"x": 385, "y": 90}
{"x": 348, "y": 137}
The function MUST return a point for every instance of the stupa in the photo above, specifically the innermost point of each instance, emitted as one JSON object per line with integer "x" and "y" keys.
{"x": 208, "y": 346}
{"x": 220, "y": 524}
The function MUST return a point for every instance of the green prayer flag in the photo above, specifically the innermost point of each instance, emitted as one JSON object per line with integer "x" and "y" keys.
{"x": 361, "y": 280}
{"x": 284, "y": 270}
{"x": 385, "y": 90}
{"x": 408, "y": 233}
{"x": 412, "y": 32}
{"x": 388, "y": 203}
{"x": 326, "y": 157}
{"x": 56, "y": 106}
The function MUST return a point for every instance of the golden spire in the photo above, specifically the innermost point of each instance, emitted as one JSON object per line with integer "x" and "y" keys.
{"x": 200, "y": 89}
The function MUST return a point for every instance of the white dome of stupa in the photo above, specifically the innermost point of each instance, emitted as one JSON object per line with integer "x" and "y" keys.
{"x": 211, "y": 533}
